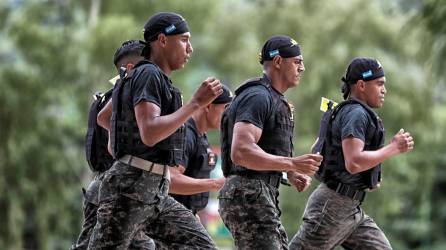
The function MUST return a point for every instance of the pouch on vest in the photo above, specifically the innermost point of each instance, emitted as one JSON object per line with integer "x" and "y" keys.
{"x": 96, "y": 141}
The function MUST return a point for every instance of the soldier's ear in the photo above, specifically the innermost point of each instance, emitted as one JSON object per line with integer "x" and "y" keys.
{"x": 129, "y": 66}
{"x": 207, "y": 108}
{"x": 277, "y": 60}
{"x": 360, "y": 85}
{"x": 162, "y": 39}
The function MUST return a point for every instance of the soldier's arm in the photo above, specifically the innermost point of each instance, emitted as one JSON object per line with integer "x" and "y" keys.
{"x": 358, "y": 160}
{"x": 185, "y": 185}
{"x": 154, "y": 128}
{"x": 104, "y": 116}
{"x": 247, "y": 153}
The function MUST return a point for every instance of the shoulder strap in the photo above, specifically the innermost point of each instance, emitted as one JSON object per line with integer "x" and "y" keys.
{"x": 256, "y": 81}
{"x": 353, "y": 101}
{"x": 249, "y": 83}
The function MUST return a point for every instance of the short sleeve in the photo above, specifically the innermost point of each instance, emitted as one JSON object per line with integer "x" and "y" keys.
{"x": 354, "y": 123}
{"x": 148, "y": 86}
{"x": 254, "y": 107}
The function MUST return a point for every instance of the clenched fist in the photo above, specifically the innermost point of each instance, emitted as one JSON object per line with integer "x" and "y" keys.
{"x": 306, "y": 164}
{"x": 209, "y": 89}
{"x": 403, "y": 141}
{"x": 300, "y": 181}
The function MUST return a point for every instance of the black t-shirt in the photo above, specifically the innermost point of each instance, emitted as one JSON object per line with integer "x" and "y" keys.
{"x": 150, "y": 84}
{"x": 253, "y": 106}
{"x": 352, "y": 121}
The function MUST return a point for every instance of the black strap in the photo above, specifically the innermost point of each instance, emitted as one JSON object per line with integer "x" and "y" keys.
{"x": 347, "y": 190}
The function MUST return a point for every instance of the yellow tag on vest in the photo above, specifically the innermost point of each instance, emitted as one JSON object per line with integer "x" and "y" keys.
{"x": 325, "y": 103}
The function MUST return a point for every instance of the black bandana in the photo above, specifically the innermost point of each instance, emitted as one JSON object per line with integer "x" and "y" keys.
{"x": 362, "y": 68}
{"x": 130, "y": 47}
{"x": 283, "y": 46}
{"x": 225, "y": 97}
{"x": 164, "y": 22}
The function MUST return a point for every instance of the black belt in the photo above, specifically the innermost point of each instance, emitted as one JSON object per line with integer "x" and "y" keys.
{"x": 347, "y": 190}
{"x": 271, "y": 179}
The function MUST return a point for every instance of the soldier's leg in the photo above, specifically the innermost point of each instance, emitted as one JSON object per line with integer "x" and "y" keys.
{"x": 248, "y": 209}
{"x": 367, "y": 235}
{"x": 282, "y": 233}
{"x": 142, "y": 242}
{"x": 177, "y": 228}
{"x": 118, "y": 222}
{"x": 328, "y": 220}
{"x": 128, "y": 197}
{"x": 89, "y": 210}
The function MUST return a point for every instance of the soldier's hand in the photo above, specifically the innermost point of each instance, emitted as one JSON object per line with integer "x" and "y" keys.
{"x": 307, "y": 164}
{"x": 403, "y": 141}
{"x": 181, "y": 168}
{"x": 218, "y": 184}
{"x": 209, "y": 89}
{"x": 300, "y": 181}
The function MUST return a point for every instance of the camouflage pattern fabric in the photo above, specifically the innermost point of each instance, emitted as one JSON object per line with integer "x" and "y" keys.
{"x": 132, "y": 200}
{"x": 331, "y": 220}
{"x": 250, "y": 210}
{"x": 90, "y": 208}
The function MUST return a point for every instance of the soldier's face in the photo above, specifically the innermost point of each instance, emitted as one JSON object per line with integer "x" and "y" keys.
{"x": 375, "y": 92}
{"x": 214, "y": 114}
{"x": 291, "y": 70}
{"x": 179, "y": 50}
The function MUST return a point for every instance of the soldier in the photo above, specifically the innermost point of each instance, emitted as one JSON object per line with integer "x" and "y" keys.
{"x": 199, "y": 160}
{"x": 98, "y": 157}
{"x": 146, "y": 139}
{"x": 256, "y": 138}
{"x": 351, "y": 139}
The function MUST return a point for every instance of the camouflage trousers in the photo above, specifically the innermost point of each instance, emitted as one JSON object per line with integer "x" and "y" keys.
{"x": 331, "y": 220}
{"x": 250, "y": 210}
{"x": 132, "y": 200}
{"x": 90, "y": 209}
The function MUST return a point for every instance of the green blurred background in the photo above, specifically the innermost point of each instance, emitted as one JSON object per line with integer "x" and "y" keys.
{"x": 55, "y": 54}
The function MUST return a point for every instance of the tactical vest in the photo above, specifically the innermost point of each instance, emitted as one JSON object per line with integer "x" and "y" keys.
{"x": 204, "y": 161}
{"x": 96, "y": 139}
{"x": 125, "y": 137}
{"x": 333, "y": 156}
{"x": 277, "y": 134}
